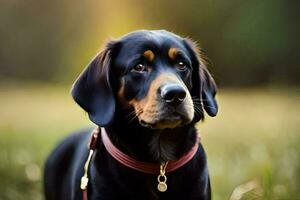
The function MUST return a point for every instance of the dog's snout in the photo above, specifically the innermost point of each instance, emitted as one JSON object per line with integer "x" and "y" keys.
{"x": 173, "y": 94}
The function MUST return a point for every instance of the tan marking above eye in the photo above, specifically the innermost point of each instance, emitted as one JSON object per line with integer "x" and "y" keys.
{"x": 149, "y": 55}
{"x": 173, "y": 52}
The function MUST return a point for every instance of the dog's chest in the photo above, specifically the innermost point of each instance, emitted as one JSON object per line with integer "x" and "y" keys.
{"x": 111, "y": 180}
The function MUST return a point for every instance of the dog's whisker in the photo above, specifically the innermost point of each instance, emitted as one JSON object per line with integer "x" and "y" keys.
{"x": 198, "y": 110}
{"x": 197, "y": 103}
{"x": 130, "y": 114}
{"x": 200, "y": 100}
{"x": 209, "y": 106}
{"x": 136, "y": 114}
{"x": 201, "y": 104}
{"x": 131, "y": 120}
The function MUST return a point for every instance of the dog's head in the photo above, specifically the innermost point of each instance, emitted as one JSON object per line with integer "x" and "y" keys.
{"x": 158, "y": 75}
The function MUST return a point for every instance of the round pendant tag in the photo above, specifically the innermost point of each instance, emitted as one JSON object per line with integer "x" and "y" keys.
{"x": 162, "y": 186}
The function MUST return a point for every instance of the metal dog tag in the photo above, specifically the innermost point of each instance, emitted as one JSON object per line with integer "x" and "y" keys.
{"x": 162, "y": 186}
{"x": 162, "y": 179}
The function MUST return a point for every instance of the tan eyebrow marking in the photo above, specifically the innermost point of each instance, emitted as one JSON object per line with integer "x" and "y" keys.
{"x": 173, "y": 52}
{"x": 149, "y": 55}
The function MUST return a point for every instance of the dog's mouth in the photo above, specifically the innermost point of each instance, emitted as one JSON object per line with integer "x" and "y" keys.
{"x": 170, "y": 122}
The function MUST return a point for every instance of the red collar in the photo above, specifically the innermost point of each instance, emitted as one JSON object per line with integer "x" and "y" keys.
{"x": 151, "y": 168}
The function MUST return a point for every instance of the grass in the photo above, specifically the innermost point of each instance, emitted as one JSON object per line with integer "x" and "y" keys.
{"x": 253, "y": 145}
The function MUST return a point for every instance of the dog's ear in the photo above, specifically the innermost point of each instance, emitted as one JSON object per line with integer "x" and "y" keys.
{"x": 209, "y": 90}
{"x": 92, "y": 90}
{"x": 204, "y": 87}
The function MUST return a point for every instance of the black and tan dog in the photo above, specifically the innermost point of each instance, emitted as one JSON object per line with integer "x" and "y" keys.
{"x": 147, "y": 89}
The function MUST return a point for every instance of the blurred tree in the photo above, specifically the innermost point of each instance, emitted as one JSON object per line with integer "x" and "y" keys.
{"x": 249, "y": 42}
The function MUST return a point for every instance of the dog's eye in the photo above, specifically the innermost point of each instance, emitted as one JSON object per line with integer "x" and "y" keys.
{"x": 181, "y": 66}
{"x": 139, "y": 68}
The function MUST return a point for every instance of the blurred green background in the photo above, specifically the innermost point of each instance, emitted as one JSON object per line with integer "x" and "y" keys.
{"x": 253, "y": 145}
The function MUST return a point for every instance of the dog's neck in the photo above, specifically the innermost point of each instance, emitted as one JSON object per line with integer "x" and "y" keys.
{"x": 151, "y": 145}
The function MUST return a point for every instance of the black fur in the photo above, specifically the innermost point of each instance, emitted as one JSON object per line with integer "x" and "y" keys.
{"x": 96, "y": 91}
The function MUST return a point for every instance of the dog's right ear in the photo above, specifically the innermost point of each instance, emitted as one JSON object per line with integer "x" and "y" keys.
{"x": 92, "y": 90}
{"x": 204, "y": 86}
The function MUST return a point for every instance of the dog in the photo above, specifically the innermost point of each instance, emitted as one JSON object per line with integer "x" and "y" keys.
{"x": 146, "y": 90}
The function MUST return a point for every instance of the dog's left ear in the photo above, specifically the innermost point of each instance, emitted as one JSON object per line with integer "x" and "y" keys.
{"x": 92, "y": 90}
{"x": 204, "y": 86}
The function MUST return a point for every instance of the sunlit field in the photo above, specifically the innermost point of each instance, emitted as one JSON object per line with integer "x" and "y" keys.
{"x": 253, "y": 145}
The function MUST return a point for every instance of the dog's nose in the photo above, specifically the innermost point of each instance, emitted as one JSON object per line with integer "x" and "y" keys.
{"x": 173, "y": 94}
